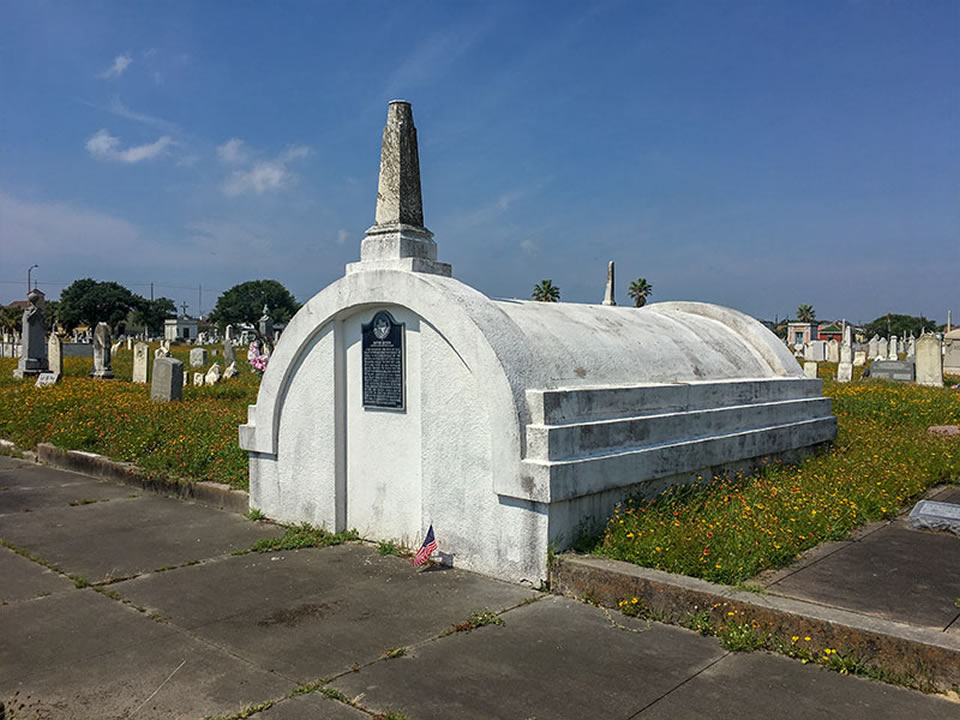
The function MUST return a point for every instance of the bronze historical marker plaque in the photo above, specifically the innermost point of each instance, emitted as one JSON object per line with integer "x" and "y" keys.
{"x": 382, "y": 351}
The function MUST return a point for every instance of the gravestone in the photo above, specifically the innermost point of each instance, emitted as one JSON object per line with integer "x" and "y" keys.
{"x": 55, "y": 355}
{"x": 859, "y": 358}
{"x": 894, "y": 353}
{"x": 115, "y": 348}
{"x": 213, "y": 375}
{"x": 833, "y": 351}
{"x": 911, "y": 346}
{"x": 929, "y": 361}
{"x": 186, "y": 379}
{"x": 230, "y": 371}
{"x": 168, "y": 382}
{"x": 266, "y": 325}
{"x": 845, "y": 368}
{"x": 229, "y": 353}
{"x": 46, "y": 379}
{"x": 873, "y": 347}
{"x": 933, "y": 515}
{"x": 198, "y": 357}
{"x": 102, "y": 369}
{"x": 129, "y": 342}
{"x": 951, "y": 357}
{"x": 141, "y": 357}
{"x": 882, "y": 350}
{"x": 899, "y": 370}
{"x": 33, "y": 343}
{"x": 810, "y": 369}
{"x": 198, "y": 379}
{"x": 161, "y": 352}
{"x": 816, "y": 351}
{"x": 228, "y": 335}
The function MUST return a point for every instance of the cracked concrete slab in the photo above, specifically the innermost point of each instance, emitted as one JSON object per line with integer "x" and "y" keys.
{"x": 24, "y": 579}
{"x": 760, "y": 685}
{"x": 555, "y": 658}
{"x": 126, "y": 537}
{"x": 314, "y": 706}
{"x": 896, "y": 573}
{"x": 315, "y": 612}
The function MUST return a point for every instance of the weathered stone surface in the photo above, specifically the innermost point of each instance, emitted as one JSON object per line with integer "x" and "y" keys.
{"x": 161, "y": 352}
{"x": 883, "y": 350}
{"x": 860, "y": 358}
{"x": 198, "y": 357}
{"x": 141, "y": 357}
{"x": 55, "y": 355}
{"x": 810, "y": 369}
{"x": 33, "y": 346}
{"x": 266, "y": 324}
{"x": 230, "y": 371}
{"x": 213, "y": 375}
{"x": 929, "y": 360}
{"x": 944, "y": 430}
{"x": 833, "y": 351}
{"x": 899, "y": 370}
{"x": 399, "y": 199}
{"x": 934, "y": 515}
{"x": 608, "y": 296}
{"x": 845, "y": 372}
{"x": 816, "y": 351}
{"x": 167, "y": 380}
{"x": 198, "y": 379}
{"x": 894, "y": 349}
{"x": 46, "y": 379}
{"x": 229, "y": 352}
{"x": 873, "y": 347}
{"x": 102, "y": 368}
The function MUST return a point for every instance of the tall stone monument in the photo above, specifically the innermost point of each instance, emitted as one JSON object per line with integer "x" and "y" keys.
{"x": 55, "y": 355}
{"x": 141, "y": 358}
{"x": 608, "y": 296}
{"x": 266, "y": 325}
{"x": 102, "y": 368}
{"x": 229, "y": 353}
{"x": 33, "y": 343}
{"x": 894, "y": 348}
{"x": 929, "y": 360}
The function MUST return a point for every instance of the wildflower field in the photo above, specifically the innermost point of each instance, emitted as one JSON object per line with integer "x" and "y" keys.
{"x": 729, "y": 531}
{"x": 195, "y": 439}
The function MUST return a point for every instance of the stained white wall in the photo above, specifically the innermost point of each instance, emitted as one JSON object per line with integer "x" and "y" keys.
{"x": 383, "y": 455}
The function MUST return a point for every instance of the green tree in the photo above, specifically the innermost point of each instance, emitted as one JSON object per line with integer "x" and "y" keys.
{"x": 10, "y": 318}
{"x": 151, "y": 314}
{"x": 901, "y": 325}
{"x": 244, "y": 303}
{"x": 51, "y": 310}
{"x": 640, "y": 290}
{"x": 88, "y": 302}
{"x": 806, "y": 313}
{"x": 546, "y": 291}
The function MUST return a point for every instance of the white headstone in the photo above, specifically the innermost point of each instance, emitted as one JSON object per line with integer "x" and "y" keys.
{"x": 873, "y": 347}
{"x": 844, "y": 372}
{"x": 860, "y": 358}
{"x": 810, "y": 369}
{"x": 55, "y": 355}
{"x": 929, "y": 361}
{"x": 894, "y": 348}
{"x": 141, "y": 358}
{"x": 102, "y": 367}
{"x": 883, "y": 350}
{"x": 213, "y": 374}
{"x": 198, "y": 378}
{"x": 833, "y": 351}
{"x": 230, "y": 371}
{"x": 198, "y": 357}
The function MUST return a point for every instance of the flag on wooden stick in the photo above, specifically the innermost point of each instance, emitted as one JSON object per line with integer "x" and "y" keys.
{"x": 426, "y": 550}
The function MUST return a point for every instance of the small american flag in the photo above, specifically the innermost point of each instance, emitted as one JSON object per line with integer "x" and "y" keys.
{"x": 426, "y": 550}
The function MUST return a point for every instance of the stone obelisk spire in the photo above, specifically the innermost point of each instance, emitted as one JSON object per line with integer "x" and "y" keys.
{"x": 398, "y": 239}
{"x": 608, "y": 298}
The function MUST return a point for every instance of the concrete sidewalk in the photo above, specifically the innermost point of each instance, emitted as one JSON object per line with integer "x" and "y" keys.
{"x": 178, "y": 626}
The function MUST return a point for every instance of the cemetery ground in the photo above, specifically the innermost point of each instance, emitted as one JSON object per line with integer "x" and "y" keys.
{"x": 290, "y": 626}
{"x": 120, "y": 604}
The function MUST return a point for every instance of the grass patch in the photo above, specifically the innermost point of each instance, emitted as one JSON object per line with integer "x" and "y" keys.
{"x": 477, "y": 620}
{"x": 395, "y": 652}
{"x": 389, "y": 547}
{"x": 195, "y": 439}
{"x": 299, "y": 536}
{"x": 731, "y": 529}
{"x": 389, "y": 714}
{"x": 255, "y": 514}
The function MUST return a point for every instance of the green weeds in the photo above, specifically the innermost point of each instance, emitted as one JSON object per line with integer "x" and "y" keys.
{"x": 300, "y": 536}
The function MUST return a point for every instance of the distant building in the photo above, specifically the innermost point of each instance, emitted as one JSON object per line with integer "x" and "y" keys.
{"x": 802, "y": 332}
{"x": 180, "y": 328}
{"x": 23, "y": 304}
{"x": 831, "y": 331}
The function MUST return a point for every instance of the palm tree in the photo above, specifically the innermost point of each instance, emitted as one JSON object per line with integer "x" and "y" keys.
{"x": 640, "y": 290}
{"x": 546, "y": 291}
{"x": 806, "y": 313}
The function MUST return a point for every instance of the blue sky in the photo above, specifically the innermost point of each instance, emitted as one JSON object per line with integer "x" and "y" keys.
{"x": 758, "y": 155}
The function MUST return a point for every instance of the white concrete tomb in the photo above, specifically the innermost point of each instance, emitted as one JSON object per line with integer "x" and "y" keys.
{"x": 398, "y": 397}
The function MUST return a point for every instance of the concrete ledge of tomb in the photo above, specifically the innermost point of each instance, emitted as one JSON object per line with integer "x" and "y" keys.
{"x": 551, "y": 481}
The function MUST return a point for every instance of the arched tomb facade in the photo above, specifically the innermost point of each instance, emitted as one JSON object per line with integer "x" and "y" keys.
{"x": 399, "y": 397}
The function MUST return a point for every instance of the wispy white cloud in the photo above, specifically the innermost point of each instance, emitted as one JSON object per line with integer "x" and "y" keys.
{"x": 120, "y": 64}
{"x": 233, "y": 152}
{"x": 118, "y": 108}
{"x": 105, "y": 146}
{"x": 342, "y": 236}
{"x": 266, "y": 175}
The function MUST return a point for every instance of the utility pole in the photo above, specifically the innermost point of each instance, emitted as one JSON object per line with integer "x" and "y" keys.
{"x": 29, "y": 270}
{"x": 151, "y": 292}
{"x": 199, "y": 300}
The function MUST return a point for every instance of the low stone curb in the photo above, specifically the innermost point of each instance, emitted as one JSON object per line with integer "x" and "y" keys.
{"x": 895, "y": 647}
{"x": 203, "y": 493}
